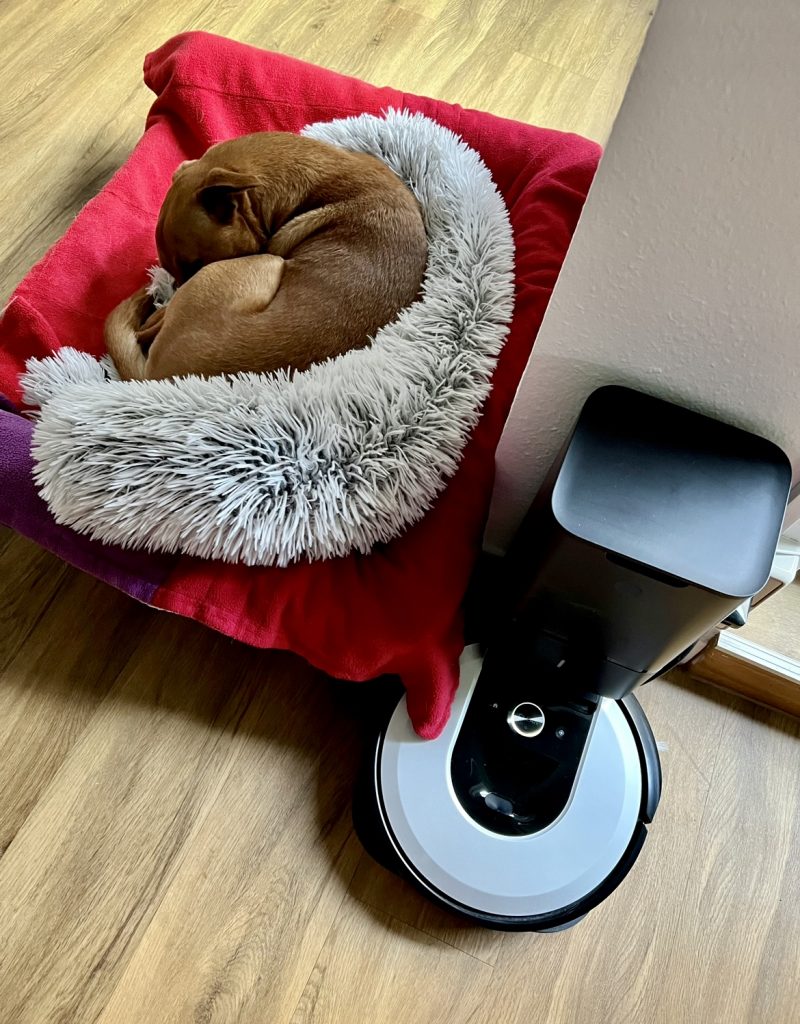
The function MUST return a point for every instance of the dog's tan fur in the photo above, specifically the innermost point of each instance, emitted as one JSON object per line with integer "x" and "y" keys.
{"x": 286, "y": 251}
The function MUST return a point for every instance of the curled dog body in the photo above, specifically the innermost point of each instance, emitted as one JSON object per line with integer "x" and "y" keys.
{"x": 287, "y": 251}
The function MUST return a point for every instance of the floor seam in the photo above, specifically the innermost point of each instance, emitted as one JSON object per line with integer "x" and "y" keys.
{"x": 422, "y": 931}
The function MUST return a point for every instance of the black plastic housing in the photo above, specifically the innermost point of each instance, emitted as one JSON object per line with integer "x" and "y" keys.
{"x": 654, "y": 524}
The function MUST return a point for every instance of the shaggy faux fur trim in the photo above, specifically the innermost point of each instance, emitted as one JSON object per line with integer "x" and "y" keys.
{"x": 270, "y": 469}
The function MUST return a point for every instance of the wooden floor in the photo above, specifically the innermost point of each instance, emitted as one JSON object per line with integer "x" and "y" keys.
{"x": 175, "y": 821}
{"x": 775, "y": 624}
{"x": 72, "y": 103}
{"x": 175, "y": 835}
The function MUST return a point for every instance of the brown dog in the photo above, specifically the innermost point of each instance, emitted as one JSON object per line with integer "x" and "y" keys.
{"x": 286, "y": 251}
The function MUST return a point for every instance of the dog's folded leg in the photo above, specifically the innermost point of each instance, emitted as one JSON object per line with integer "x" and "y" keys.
{"x": 122, "y": 329}
{"x": 146, "y": 334}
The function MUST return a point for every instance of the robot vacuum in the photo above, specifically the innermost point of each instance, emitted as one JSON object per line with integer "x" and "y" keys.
{"x": 526, "y": 812}
{"x": 532, "y": 806}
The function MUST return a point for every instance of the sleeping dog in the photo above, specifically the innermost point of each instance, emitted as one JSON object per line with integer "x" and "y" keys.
{"x": 286, "y": 252}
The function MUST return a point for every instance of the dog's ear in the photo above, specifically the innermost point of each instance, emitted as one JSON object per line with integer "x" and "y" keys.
{"x": 223, "y": 193}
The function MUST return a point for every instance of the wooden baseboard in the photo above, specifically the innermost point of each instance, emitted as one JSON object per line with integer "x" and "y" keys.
{"x": 750, "y": 670}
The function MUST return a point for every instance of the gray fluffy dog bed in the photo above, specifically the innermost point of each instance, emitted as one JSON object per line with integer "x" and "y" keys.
{"x": 268, "y": 469}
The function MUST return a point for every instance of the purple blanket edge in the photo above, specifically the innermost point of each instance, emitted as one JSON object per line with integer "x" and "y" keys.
{"x": 137, "y": 573}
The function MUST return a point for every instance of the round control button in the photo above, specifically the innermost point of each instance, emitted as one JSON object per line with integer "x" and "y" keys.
{"x": 526, "y": 719}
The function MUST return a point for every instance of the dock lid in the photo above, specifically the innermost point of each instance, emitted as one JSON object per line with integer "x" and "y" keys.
{"x": 674, "y": 490}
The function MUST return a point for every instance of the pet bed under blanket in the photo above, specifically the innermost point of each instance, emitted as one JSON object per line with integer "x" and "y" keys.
{"x": 266, "y": 469}
{"x": 397, "y": 609}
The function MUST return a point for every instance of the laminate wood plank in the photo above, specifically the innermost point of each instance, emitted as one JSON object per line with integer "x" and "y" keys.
{"x": 739, "y": 934}
{"x": 237, "y": 935}
{"x": 775, "y": 623}
{"x": 29, "y": 580}
{"x": 558, "y": 31}
{"x": 375, "y": 969}
{"x": 50, "y": 689}
{"x": 92, "y": 862}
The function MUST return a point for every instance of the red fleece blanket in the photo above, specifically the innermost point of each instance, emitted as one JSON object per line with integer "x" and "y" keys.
{"x": 398, "y": 609}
